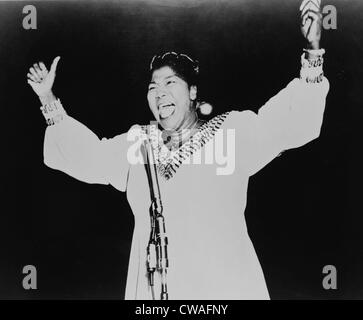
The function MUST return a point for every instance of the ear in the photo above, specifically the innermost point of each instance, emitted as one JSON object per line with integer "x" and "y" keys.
{"x": 193, "y": 93}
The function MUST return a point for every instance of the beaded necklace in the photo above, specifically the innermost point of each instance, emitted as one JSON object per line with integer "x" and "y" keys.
{"x": 168, "y": 161}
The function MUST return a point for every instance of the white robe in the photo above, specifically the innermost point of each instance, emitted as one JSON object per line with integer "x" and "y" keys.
{"x": 210, "y": 253}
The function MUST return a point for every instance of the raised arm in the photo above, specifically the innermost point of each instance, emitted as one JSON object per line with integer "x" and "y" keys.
{"x": 294, "y": 116}
{"x": 71, "y": 147}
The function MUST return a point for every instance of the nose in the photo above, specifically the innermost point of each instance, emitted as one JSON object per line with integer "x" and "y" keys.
{"x": 160, "y": 92}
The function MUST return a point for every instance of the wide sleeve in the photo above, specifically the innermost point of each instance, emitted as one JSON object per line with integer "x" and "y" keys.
{"x": 290, "y": 119}
{"x": 69, "y": 146}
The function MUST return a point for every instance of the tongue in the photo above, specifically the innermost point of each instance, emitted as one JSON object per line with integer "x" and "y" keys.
{"x": 166, "y": 112}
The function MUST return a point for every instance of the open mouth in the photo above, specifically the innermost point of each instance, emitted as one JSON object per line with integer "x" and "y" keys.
{"x": 166, "y": 110}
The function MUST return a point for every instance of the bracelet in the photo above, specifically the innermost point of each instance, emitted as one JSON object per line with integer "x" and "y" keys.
{"x": 312, "y": 69}
{"x": 315, "y": 52}
{"x": 312, "y": 63}
{"x": 53, "y": 112}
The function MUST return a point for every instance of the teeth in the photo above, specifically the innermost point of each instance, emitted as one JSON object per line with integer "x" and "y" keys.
{"x": 165, "y": 105}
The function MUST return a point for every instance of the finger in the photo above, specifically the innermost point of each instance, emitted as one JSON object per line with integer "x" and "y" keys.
{"x": 306, "y": 8}
{"x": 314, "y": 16}
{"x": 307, "y": 26}
{"x": 38, "y": 71}
{"x": 31, "y": 83}
{"x": 53, "y": 67}
{"x": 31, "y": 77}
{"x": 43, "y": 68}
{"x": 35, "y": 74}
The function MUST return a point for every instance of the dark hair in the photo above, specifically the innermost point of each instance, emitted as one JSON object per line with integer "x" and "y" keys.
{"x": 184, "y": 67}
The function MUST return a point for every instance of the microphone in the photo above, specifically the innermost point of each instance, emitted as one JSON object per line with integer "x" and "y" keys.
{"x": 157, "y": 253}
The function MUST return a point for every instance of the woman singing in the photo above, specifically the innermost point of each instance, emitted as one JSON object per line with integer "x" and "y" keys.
{"x": 210, "y": 253}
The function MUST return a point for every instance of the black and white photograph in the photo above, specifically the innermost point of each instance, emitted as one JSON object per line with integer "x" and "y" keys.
{"x": 180, "y": 150}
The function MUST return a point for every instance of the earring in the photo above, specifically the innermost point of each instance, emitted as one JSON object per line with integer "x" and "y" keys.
{"x": 204, "y": 108}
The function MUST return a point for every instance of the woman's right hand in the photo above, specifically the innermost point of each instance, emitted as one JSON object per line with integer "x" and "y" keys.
{"x": 41, "y": 80}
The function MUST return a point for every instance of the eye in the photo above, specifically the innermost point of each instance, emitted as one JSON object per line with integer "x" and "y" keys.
{"x": 170, "y": 82}
{"x": 151, "y": 88}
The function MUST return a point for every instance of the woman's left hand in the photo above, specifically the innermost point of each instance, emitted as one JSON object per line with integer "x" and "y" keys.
{"x": 311, "y": 21}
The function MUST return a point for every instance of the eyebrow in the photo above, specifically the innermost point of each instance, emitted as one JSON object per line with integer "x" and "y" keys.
{"x": 173, "y": 75}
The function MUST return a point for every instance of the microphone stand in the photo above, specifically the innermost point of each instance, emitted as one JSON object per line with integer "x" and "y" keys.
{"x": 157, "y": 253}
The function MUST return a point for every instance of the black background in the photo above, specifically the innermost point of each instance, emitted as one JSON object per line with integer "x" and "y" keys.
{"x": 299, "y": 213}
